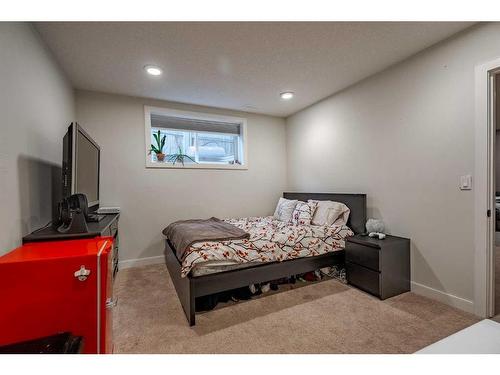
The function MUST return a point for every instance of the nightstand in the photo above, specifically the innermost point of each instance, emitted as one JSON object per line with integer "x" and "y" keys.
{"x": 379, "y": 267}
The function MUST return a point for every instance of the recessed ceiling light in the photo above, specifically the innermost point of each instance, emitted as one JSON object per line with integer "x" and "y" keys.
{"x": 153, "y": 70}
{"x": 287, "y": 95}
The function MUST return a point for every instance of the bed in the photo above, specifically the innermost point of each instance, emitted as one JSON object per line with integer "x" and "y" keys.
{"x": 219, "y": 276}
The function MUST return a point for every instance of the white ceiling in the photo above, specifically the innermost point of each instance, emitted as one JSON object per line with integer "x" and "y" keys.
{"x": 242, "y": 66}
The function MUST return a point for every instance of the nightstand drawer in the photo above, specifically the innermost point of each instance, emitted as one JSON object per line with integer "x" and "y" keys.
{"x": 363, "y": 278}
{"x": 363, "y": 255}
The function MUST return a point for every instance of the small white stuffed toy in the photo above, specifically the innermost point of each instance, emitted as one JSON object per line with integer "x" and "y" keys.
{"x": 375, "y": 228}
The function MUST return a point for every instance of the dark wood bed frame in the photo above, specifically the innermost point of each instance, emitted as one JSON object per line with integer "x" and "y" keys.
{"x": 189, "y": 287}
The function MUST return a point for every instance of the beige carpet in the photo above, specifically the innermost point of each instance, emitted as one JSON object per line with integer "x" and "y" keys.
{"x": 324, "y": 317}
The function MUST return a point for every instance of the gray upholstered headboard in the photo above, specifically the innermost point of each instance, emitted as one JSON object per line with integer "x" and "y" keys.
{"x": 356, "y": 202}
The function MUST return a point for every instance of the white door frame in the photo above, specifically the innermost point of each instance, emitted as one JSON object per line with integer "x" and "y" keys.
{"x": 484, "y": 226}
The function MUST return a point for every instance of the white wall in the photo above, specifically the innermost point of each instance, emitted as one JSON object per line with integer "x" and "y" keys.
{"x": 150, "y": 199}
{"x": 404, "y": 137}
{"x": 36, "y": 106}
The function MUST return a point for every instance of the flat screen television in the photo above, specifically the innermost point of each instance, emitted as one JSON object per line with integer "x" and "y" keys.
{"x": 80, "y": 169}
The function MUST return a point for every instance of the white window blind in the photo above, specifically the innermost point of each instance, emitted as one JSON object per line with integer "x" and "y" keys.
{"x": 211, "y": 141}
{"x": 180, "y": 123}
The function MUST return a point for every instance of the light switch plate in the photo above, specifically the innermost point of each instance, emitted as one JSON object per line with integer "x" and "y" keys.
{"x": 466, "y": 182}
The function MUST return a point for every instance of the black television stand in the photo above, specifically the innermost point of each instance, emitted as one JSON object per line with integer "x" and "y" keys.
{"x": 106, "y": 227}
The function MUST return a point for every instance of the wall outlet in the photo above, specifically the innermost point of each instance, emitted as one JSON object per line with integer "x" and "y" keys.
{"x": 466, "y": 182}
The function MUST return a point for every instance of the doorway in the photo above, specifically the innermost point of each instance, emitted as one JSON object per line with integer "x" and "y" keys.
{"x": 485, "y": 235}
{"x": 496, "y": 216}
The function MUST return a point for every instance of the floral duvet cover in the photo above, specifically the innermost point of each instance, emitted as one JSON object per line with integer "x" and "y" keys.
{"x": 270, "y": 240}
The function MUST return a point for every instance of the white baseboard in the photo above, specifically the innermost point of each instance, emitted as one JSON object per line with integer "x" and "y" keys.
{"x": 129, "y": 263}
{"x": 438, "y": 295}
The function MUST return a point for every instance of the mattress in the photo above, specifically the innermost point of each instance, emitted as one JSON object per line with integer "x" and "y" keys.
{"x": 270, "y": 240}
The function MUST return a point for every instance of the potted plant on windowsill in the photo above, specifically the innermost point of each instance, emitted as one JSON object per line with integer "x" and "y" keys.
{"x": 179, "y": 157}
{"x": 158, "y": 148}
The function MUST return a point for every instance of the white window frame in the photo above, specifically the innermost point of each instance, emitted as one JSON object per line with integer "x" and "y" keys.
{"x": 148, "y": 110}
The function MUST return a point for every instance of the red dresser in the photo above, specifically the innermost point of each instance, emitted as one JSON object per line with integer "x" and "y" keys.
{"x": 61, "y": 286}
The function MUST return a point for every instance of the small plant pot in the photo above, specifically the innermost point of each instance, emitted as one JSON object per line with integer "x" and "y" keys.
{"x": 160, "y": 157}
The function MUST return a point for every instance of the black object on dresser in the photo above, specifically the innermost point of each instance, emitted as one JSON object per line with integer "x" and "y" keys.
{"x": 379, "y": 267}
{"x": 106, "y": 227}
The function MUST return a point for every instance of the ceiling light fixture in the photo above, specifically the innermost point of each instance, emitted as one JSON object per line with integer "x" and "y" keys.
{"x": 287, "y": 95}
{"x": 153, "y": 70}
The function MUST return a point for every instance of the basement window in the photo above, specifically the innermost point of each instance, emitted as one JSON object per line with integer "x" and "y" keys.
{"x": 184, "y": 139}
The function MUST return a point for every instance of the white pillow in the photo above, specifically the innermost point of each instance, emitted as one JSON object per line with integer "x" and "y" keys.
{"x": 330, "y": 213}
{"x": 284, "y": 209}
